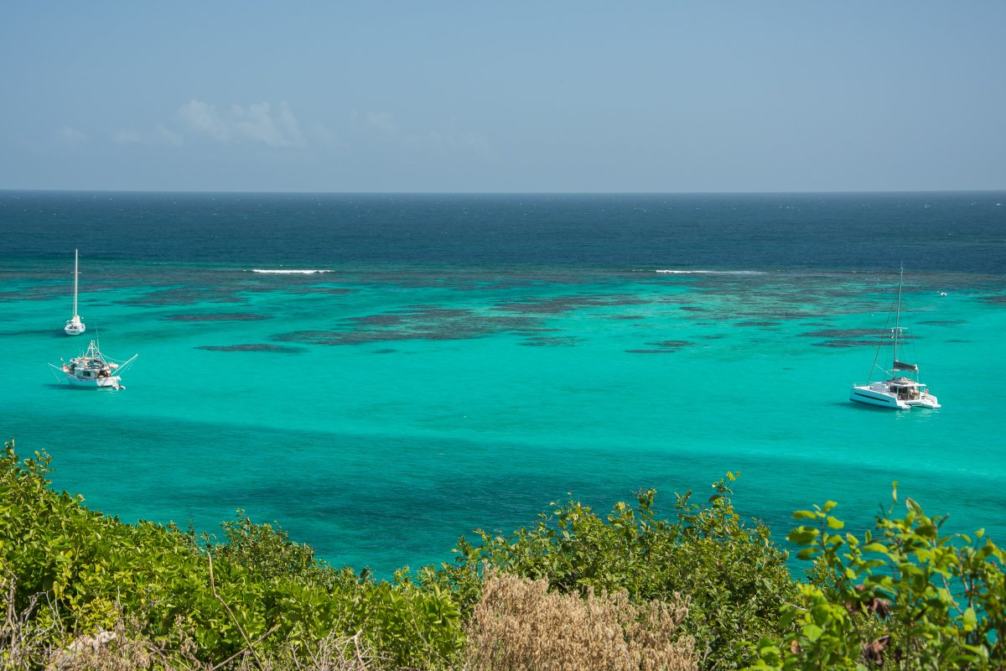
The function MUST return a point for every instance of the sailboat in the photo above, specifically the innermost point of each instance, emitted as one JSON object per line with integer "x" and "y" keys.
{"x": 898, "y": 392}
{"x": 74, "y": 326}
{"x": 93, "y": 369}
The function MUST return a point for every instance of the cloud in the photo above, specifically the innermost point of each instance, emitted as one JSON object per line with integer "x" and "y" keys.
{"x": 257, "y": 123}
{"x": 70, "y": 135}
{"x": 382, "y": 122}
{"x": 385, "y": 128}
{"x": 159, "y": 135}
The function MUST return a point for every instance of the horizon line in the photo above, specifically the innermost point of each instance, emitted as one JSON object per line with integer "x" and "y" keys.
{"x": 500, "y": 193}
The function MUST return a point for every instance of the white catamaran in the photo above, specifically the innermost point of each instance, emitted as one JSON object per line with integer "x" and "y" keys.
{"x": 74, "y": 326}
{"x": 93, "y": 369}
{"x": 898, "y": 392}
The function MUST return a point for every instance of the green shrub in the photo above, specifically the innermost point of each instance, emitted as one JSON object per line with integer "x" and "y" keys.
{"x": 732, "y": 576}
{"x": 903, "y": 596}
{"x": 266, "y": 591}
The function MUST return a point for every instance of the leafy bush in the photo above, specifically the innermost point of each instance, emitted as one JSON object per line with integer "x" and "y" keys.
{"x": 733, "y": 577}
{"x": 258, "y": 592}
{"x": 903, "y": 596}
{"x": 79, "y": 589}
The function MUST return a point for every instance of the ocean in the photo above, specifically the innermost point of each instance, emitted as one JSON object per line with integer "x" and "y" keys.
{"x": 381, "y": 374}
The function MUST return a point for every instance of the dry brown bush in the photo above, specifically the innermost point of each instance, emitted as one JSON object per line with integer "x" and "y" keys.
{"x": 519, "y": 626}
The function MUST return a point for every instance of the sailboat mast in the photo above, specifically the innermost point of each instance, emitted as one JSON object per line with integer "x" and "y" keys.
{"x": 76, "y": 272}
{"x": 897, "y": 319}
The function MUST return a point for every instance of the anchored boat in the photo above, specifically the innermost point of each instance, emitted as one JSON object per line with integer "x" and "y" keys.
{"x": 74, "y": 326}
{"x": 898, "y": 392}
{"x": 93, "y": 369}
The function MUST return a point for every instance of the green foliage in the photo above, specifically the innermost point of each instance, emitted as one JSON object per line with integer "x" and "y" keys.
{"x": 265, "y": 589}
{"x": 902, "y": 596}
{"x": 731, "y": 575}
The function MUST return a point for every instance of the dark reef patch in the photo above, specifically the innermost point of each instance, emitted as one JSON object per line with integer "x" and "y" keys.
{"x": 854, "y": 333}
{"x": 421, "y": 322}
{"x": 550, "y": 341}
{"x": 846, "y": 342}
{"x": 994, "y": 300}
{"x": 661, "y": 347}
{"x": 561, "y": 304}
{"x": 253, "y": 347}
{"x": 757, "y": 322}
{"x": 217, "y": 317}
{"x": 670, "y": 344}
{"x": 184, "y": 296}
{"x": 944, "y": 322}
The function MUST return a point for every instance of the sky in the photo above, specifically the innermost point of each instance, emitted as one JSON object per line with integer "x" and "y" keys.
{"x": 515, "y": 96}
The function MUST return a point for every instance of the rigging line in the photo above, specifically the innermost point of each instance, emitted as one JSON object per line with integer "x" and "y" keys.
{"x": 881, "y": 341}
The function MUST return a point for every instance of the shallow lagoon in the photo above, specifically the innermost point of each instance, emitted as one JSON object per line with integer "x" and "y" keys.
{"x": 378, "y": 412}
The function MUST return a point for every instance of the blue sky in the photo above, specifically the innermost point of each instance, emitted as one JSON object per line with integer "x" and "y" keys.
{"x": 503, "y": 97}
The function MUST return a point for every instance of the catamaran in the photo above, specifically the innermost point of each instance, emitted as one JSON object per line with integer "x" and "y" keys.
{"x": 93, "y": 369}
{"x": 74, "y": 326}
{"x": 898, "y": 392}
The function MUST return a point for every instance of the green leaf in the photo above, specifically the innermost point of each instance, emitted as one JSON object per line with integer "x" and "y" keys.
{"x": 970, "y": 620}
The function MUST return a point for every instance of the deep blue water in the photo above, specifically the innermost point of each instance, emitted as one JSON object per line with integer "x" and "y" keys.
{"x": 960, "y": 232}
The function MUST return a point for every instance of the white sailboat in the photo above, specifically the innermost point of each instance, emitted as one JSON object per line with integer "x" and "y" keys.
{"x": 898, "y": 392}
{"x": 93, "y": 369}
{"x": 74, "y": 326}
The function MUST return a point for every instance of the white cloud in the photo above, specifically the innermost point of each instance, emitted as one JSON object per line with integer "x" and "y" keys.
{"x": 385, "y": 128}
{"x": 159, "y": 135}
{"x": 127, "y": 136}
{"x": 258, "y": 122}
{"x": 382, "y": 122}
{"x": 70, "y": 135}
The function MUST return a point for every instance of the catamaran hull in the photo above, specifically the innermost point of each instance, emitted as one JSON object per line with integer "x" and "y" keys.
{"x": 100, "y": 383}
{"x": 878, "y": 399}
{"x": 883, "y": 399}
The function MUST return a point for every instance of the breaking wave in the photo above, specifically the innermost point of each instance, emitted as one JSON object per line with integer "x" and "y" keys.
{"x": 709, "y": 272}
{"x": 289, "y": 271}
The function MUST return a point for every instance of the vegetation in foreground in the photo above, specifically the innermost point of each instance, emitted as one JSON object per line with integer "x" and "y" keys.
{"x": 699, "y": 589}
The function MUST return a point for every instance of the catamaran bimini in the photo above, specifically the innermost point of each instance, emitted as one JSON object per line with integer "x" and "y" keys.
{"x": 74, "y": 326}
{"x": 898, "y": 392}
{"x": 93, "y": 369}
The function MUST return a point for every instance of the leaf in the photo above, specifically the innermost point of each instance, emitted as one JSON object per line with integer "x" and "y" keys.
{"x": 835, "y": 523}
{"x": 970, "y": 619}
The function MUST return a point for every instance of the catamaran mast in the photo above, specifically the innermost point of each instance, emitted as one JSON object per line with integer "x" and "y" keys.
{"x": 897, "y": 322}
{"x": 76, "y": 272}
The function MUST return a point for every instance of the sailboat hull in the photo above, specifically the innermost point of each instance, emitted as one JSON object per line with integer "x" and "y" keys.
{"x": 881, "y": 399}
{"x": 74, "y": 328}
{"x": 113, "y": 382}
{"x": 881, "y": 395}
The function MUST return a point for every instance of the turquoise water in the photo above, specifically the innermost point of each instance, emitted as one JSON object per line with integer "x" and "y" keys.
{"x": 379, "y": 411}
